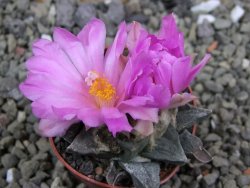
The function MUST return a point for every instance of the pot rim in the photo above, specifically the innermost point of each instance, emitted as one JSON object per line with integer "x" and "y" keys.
{"x": 105, "y": 185}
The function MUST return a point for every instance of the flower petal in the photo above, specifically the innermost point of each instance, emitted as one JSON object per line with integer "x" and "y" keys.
{"x": 43, "y": 107}
{"x": 161, "y": 96}
{"x": 91, "y": 117}
{"x": 181, "y": 99}
{"x": 42, "y": 111}
{"x": 115, "y": 120}
{"x": 92, "y": 37}
{"x": 65, "y": 113}
{"x": 37, "y": 86}
{"x": 180, "y": 73}
{"x": 141, "y": 113}
{"x": 52, "y": 128}
{"x": 137, "y": 101}
{"x": 55, "y": 61}
{"x": 196, "y": 69}
{"x": 137, "y": 40}
{"x": 145, "y": 128}
{"x": 74, "y": 50}
{"x": 174, "y": 40}
{"x": 113, "y": 66}
{"x": 39, "y": 47}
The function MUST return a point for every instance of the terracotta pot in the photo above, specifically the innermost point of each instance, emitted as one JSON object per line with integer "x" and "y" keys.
{"x": 91, "y": 183}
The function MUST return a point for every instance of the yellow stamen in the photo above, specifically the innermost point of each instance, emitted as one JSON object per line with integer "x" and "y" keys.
{"x": 102, "y": 90}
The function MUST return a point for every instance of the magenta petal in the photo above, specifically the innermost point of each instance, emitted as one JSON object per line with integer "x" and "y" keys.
{"x": 52, "y": 128}
{"x": 54, "y": 92}
{"x": 168, "y": 27}
{"x": 164, "y": 73}
{"x": 137, "y": 38}
{"x": 145, "y": 128}
{"x": 92, "y": 37}
{"x": 115, "y": 120}
{"x": 141, "y": 67}
{"x": 91, "y": 117}
{"x": 180, "y": 73}
{"x": 56, "y": 65}
{"x": 65, "y": 113}
{"x": 181, "y": 99}
{"x": 196, "y": 69}
{"x": 141, "y": 113}
{"x": 113, "y": 66}
{"x": 181, "y": 45}
{"x": 161, "y": 96}
{"x": 136, "y": 101}
{"x": 49, "y": 72}
{"x": 74, "y": 50}
{"x": 39, "y": 46}
{"x": 174, "y": 40}
{"x": 138, "y": 108}
{"x": 41, "y": 111}
{"x": 124, "y": 80}
{"x": 133, "y": 35}
{"x": 42, "y": 107}
{"x": 34, "y": 88}
{"x": 61, "y": 36}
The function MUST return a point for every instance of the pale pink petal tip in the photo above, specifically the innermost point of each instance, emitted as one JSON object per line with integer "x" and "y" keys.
{"x": 145, "y": 128}
{"x": 51, "y": 128}
{"x": 197, "y": 68}
{"x": 181, "y": 99}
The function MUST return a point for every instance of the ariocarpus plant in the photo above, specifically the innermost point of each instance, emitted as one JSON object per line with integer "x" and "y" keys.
{"x": 136, "y": 87}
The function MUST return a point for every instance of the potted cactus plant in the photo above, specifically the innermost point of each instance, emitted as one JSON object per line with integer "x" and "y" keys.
{"x": 121, "y": 116}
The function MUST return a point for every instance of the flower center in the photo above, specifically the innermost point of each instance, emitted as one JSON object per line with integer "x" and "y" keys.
{"x": 100, "y": 88}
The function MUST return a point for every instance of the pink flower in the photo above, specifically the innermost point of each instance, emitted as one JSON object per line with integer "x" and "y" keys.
{"x": 171, "y": 65}
{"x": 70, "y": 80}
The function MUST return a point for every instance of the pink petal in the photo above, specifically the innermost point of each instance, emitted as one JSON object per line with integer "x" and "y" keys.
{"x": 115, "y": 120}
{"x": 45, "y": 67}
{"x": 54, "y": 81}
{"x": 55, "y": 62}
{"x": 181, "y": 99}
{"x": 141, "y": 113}
{"x": 93, "y": 38}
{"x": 44, "y": 87}
{"x": 47, "y": 92}
{"x": 74, "y": 50}
{"x": 39, "y": 46}
{"x": 145, "y": 128}
{"x": 65, "y": 113}
{"x": 180, "y": 73}
{"x": 136, "y": 101}
{"x": 52, "y": 128}
{"x": 133, "y": 35}
{"x": 113, "y": 66}
{"x": 196, "y": 69}
{"x": 42, "y": 111}
{"x": 137, "y": 38}
{"x": 161, "y": 96}
{"x": 43, "y": 107}
{"x": 124, "y": 81}
{"x": 168, "y": 30}
{"x": 173, "y": 38}
{"x": 91, "y": 117}
{"x": 164, "y": 72}
{"x": 38, "y": 86}
{"x": 141, "y": 66}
